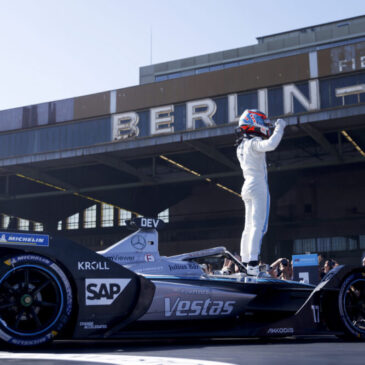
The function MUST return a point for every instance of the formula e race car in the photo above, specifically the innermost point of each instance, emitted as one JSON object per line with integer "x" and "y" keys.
{"x": 54, "y": 288}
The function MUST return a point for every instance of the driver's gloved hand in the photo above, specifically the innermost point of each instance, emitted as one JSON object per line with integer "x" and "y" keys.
{"x": 281, "y": 123}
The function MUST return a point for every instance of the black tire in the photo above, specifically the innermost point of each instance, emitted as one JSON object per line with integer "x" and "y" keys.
{"x": 35, "y": 300}
{"x": 351, "y": 304}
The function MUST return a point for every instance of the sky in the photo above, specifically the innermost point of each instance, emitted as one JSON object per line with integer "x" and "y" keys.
{"x": 58, "y": 49}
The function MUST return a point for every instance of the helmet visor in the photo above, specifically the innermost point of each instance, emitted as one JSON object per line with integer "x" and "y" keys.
{"x": 269, "y": 123}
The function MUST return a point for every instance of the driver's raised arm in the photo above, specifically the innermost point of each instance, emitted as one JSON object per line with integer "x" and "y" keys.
{"x": 271, "y": 143}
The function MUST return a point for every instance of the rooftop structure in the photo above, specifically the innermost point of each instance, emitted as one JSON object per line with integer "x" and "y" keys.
{"x": 269, "y": 47}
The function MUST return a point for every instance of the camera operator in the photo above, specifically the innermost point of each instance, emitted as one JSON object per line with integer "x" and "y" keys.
{"x": 281, "y": 269}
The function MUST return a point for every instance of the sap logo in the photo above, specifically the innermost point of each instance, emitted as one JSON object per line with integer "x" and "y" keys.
{"x": 149, "y": 222}
{"x": 103, "y": 291}
{"x": 92, "y": 265}
{"x": 280, "y": 331}
{"x": 183, "y": 308}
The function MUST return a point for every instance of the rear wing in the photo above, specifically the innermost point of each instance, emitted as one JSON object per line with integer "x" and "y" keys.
{"x": 145, "y": 223}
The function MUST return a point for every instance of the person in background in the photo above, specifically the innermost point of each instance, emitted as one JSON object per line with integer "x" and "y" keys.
{"x": 238, "y": 257}
{"x": 321, "y": 261}
{"x": 228, "y": 267}
{"x": 328, "y": 266}
{"x": 281, "y": 269}
{"x": 263, "y": 266}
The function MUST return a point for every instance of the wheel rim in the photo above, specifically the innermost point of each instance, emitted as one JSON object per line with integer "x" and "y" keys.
{"x": 31, "y": 300}
{"x": 354, "y": 305}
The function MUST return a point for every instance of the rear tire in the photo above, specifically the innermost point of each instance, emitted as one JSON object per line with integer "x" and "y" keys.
{"x": 351, "y": 304}
{"x": 35, "y": 300}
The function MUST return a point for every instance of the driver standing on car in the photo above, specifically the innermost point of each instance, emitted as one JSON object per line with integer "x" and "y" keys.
{"x": 254, "y": 140}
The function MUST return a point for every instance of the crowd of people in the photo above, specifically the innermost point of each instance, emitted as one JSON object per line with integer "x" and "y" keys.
{"x": 281, "y": 268}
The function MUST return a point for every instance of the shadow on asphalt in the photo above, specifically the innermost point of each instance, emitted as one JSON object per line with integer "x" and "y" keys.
{"x": 141, "y": 345}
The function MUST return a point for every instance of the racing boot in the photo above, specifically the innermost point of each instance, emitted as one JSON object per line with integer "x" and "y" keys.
{"x": 253, "y": 268}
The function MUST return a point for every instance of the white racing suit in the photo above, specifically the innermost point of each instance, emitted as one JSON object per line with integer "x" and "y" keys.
{"x": 251, "y": 154}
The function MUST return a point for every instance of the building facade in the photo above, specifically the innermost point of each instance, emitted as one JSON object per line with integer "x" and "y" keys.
{"x": 168, "y": 144}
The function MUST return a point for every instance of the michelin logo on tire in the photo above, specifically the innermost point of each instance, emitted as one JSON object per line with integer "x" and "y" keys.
{"x": 103, "y": 291}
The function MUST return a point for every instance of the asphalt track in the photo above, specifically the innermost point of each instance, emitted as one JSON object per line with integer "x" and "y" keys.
{"x": 298, "y": 351}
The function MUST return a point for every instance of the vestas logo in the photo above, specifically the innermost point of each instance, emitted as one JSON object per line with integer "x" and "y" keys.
{"x": 185, "y": 308}
{"x": 103, "y": 291}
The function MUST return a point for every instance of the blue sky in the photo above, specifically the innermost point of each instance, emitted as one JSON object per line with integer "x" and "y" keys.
{"x": 56, "y": 49}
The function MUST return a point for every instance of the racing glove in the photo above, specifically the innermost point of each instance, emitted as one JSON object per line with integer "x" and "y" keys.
{"x": 281, "y": 123}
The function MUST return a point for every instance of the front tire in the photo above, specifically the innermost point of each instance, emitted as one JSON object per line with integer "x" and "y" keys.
{"x": 35, "y": 300}
{"x": 351, "y": 304}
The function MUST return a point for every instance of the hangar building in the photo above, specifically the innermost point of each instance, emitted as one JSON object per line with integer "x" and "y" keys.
{"x": 79, "y": 167}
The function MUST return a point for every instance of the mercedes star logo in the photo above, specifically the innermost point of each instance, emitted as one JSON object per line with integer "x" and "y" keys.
{"x": 138, "y": 242}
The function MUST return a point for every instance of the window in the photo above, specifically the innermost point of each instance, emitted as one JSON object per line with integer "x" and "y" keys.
{"x": 362, "y": 241}
{"x": 230, "y": 64}
{"x": 327, "y": 244}
{"x": 215, "y": 67}
{"x": 309, "y": 245}
{"x": 198, "y": 71}
{"x": 174, "y": 75}
{"x": 339, "y": 244}
{"x": 352, "y": 244}
{"x": 124, "y": 215}
{"x": 161, "y": 78}
{"x": 23, "y": 224}
{"x": 38, "y": 227}
{"x": 73, "y": 221}
{"x": 187, "y": 73}
{"x": 164, "y": 215}
{"x": 298, "y": 246}
{"x": 324, "y": 244}
{"x": 90, "y": 217}
{"x": 107, "y": 215}
{"x": 59, "y": 226}
{"x": 201, "y": 70}
{"x": 6, "y": 220}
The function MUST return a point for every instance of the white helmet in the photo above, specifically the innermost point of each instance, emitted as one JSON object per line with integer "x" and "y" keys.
{"x": 252, "y": 121}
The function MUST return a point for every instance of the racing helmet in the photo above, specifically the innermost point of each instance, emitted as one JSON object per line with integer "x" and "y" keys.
{"x": 254, "y": 122}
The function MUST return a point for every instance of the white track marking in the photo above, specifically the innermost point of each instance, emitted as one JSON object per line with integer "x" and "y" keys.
{"x": 109, "y": 359}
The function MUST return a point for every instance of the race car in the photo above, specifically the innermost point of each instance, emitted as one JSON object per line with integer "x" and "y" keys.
{"x": 52, "y": 288}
